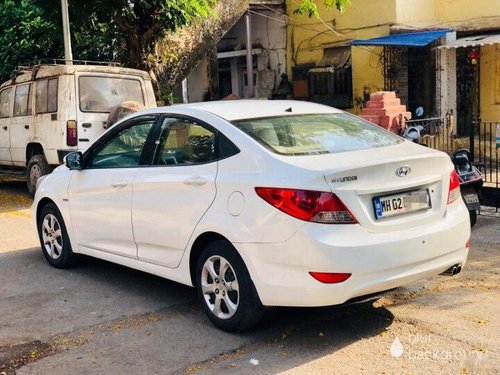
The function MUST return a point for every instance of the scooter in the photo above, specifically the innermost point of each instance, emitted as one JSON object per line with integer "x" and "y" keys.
{"x": 470, "y": 182}
{"x": 470, "y": 177}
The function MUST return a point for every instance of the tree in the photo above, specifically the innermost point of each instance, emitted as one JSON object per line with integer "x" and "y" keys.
{"x": 26, "y": 35}
{"x": 310, "y": 8}
{"x": 139, "y": 24}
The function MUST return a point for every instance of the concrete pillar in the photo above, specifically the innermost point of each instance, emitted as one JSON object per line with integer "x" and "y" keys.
{"x": 446, "y": 85}
{"x": 248, "y": 24}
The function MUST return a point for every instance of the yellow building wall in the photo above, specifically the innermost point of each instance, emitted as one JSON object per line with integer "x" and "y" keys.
{"x": 364, "y": 19}
{"x": 415, "y": 11}
{"x": 464, "y": 10}
{"x": 490, "y": 83}
{"x": 308, "y": 37}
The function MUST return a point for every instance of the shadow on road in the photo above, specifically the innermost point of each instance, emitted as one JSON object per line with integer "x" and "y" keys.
{"x": 13, "y": 194}
{"x": 95, "y": 295}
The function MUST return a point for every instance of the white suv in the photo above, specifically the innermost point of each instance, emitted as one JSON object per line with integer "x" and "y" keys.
{"x": 49, "y": 110}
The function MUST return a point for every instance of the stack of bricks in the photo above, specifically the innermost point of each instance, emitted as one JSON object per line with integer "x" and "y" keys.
{"x": 386, "y": 110}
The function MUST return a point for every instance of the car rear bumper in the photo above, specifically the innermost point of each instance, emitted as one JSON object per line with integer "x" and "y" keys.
{"x": 377, "y": 261}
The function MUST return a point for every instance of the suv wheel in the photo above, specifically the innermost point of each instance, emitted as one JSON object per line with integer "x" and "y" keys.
{"x": 225, "y": 290}
{"x": 37, "y": 167}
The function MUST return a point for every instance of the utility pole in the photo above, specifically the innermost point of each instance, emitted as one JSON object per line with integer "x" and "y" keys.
{"x": 68, "y": 55}
{"x": 248, "y": 23}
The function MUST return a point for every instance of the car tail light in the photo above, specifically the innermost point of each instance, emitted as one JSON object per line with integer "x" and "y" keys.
{"x": 454, "y": 191}
{"x": 316, "y": 206}
{"x": 330, "y": 278}
{"x": 467, "y": 245}
{"x": 71, "y": 136}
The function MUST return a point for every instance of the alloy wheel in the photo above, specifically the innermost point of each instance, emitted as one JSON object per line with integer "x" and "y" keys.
{"x": 220, "y": 288}
{"x": 52, "y": 236}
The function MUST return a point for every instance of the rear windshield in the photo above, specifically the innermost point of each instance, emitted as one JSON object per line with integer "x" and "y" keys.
{"x": 100, "y": 94}
{"x": 325, "y": 133}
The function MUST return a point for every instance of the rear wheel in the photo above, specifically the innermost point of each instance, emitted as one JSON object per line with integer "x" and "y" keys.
{"x": 37, "y": 167}
{"x": 225, "y": 289}
{"x": 54, "y": 238}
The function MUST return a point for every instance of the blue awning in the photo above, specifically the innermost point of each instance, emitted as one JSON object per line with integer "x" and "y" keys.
{"x": 418, "y": 39}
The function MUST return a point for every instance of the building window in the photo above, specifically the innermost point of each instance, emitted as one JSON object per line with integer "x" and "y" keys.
{"x": 331, "y": 87}
{"x": 331, "y": 82}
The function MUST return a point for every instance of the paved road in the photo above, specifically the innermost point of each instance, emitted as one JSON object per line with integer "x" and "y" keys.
{"x": 101, "y": 318}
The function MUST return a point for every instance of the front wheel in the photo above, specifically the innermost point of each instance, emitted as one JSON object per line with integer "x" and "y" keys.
{"x": 54, "y": 238}
{"x": 37, "y": 167}
{"x": 225, "y": 290}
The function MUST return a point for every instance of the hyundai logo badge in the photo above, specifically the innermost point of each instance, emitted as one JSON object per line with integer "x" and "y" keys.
{"x": 403, "y": 171}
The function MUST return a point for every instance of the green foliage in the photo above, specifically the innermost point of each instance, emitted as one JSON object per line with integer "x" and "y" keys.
{"x": 123, "y": 30}
{"x": 310, "y": 8}
{"x": 134, "y": 26}
{"x": 26, "y": 35}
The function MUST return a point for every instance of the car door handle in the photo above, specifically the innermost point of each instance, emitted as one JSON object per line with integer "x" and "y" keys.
{"x": 196, "y": 181}
{"x": 119, "y": 185}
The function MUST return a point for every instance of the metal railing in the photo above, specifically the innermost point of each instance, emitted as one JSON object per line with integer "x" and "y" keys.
{"x": 437, "y": 132}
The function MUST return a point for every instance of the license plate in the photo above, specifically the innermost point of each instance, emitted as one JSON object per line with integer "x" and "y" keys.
{"x": 471, "y": 198}
{"x": 403, "y": 203}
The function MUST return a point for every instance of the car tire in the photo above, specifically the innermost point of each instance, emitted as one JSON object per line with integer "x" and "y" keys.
{"x": 54, "y": 239}
{"x": 228, "y": 296}
{"x": 473, "y": 217}
{"x": 37, "y": 167}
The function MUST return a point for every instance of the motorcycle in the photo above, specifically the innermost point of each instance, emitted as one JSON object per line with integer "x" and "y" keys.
{"x": 470, "y": 177}
{"x": 470, "y": 182}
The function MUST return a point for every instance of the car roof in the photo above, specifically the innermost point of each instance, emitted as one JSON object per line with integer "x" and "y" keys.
{"x": 232, "y": 110}
{"x": 52, "y": 70}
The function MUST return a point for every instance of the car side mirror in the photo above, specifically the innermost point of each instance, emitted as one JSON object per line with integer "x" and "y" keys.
{"x": 74, "y": 160}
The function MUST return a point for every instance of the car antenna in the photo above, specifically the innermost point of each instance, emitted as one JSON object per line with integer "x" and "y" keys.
{"x": 288, "y": 109}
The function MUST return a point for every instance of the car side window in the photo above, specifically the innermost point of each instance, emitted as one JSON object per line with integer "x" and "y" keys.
{"x": 185, "y": 142}
{"x": 123, "y": 149}
{"x": 5, "y": 100}
{"x": 46, "y": 96}
{"x": 22, "y": 100}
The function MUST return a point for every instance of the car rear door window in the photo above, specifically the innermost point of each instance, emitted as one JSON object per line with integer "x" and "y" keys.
{"x": 185, "y": 142}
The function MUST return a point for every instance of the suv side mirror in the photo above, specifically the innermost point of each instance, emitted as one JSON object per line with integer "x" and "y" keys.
{"x": 74, "y": 160}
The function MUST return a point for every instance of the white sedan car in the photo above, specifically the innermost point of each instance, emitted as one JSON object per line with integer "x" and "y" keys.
{"x": 257, "y": 203}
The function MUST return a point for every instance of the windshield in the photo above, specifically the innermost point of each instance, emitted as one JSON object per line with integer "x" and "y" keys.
{"x": 100, "y": 94}
{"x": 311, "y": 134}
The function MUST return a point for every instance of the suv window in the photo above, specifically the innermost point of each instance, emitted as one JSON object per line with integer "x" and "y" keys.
{"x": 100, "y": 94}
{"x": 184, "y": 142}
{"x": 123, "y": 149}
{"x": 22, "y": 100}
{"x": 46, "y": 95}
{"x": 5, "y": 100}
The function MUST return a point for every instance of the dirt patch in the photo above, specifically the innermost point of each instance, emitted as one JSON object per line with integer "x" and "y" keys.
{"x": 15, "y": 357}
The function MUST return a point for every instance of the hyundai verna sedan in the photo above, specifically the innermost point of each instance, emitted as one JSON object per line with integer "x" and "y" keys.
{"x": 257, "y": 203}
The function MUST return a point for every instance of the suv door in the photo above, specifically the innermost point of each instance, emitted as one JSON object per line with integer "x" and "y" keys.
{"x": 5, "y": 112}
{"x": 97, "y": 94}
{"x": 100, "y": 195}
{"x": 171, "y": 197}
{"x": 21, "y": 123}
